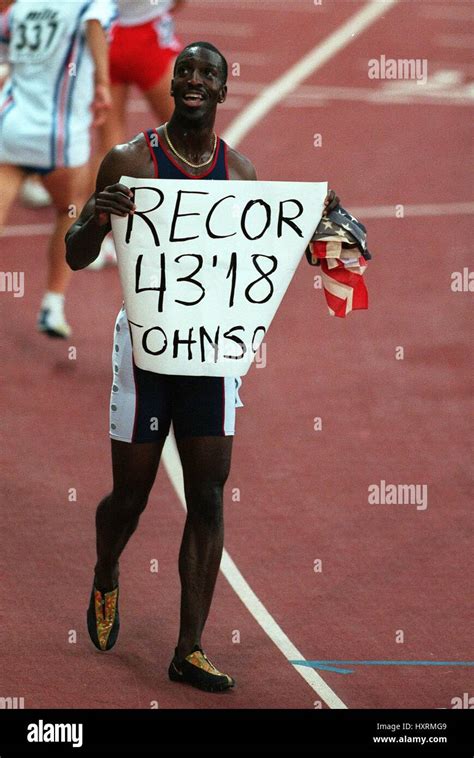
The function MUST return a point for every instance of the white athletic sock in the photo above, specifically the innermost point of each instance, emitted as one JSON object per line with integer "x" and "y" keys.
{"x": 54, "y": 301}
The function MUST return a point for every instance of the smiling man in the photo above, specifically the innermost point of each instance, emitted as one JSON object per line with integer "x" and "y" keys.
{"x": 201, "y": 408}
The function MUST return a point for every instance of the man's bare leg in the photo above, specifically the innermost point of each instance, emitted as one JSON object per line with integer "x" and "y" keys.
{"x": 112, "y": 131}
{"x": 134, "y": 471}
{"x": 11, "y": 179}
{"x": 68, "y": 188}
{"x": 206, "y": 465}
{"x": 159, "y": 97}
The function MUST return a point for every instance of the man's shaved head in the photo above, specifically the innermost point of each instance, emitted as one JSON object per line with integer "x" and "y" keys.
{"x": 207, "y": 46}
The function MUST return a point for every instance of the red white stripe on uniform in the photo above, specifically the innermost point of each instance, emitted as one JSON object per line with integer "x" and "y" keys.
{"x": 342, "y": 272}
{"x": 5, "y": 105}
{"x": 64, "y": 90}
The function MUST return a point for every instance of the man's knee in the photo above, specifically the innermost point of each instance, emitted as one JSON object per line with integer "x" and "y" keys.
{"x": 205, "y": 503}
{"x": 131, "y": 503}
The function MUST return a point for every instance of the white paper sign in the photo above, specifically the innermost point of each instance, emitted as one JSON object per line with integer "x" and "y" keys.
{"x": 204, "y": 266}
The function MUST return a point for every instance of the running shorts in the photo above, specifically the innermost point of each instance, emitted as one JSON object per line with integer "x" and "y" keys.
{"x": 142, "y": 54}
{"x": 143, "y": 403}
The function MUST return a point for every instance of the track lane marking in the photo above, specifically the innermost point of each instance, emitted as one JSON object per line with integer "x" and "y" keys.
{"x": 171, "y": 462}
{"x": 461, "y": 208}
{"x": 425, "y": 209}
{"x": 311, "y": 62}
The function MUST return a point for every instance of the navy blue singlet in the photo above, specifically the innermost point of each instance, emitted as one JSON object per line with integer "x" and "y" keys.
{"x": 198, "y": 406}
{"x": 167, "y": 168}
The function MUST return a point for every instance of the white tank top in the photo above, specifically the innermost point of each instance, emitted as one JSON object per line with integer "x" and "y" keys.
{"x": 134, "y": 12}
{"x": 45, "y": 105}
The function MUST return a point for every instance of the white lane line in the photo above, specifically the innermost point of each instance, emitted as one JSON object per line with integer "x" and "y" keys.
{"x": 396, "y": 95}
{"x": 462, "y": 41}
{"x": 170, "y": 458}
{"x": 450, "y": 13}
{"x": 251, "y": 115}
{"x": 312, "y": 61}
{"x": 27, "y": 230}
{"x": 291, "y": 6}
{"x": 372, "y": 211}
{"x": 443, "y": 88}
{"x": 464, "y": 67}
{"x": 219, "y": 28}
{"x": 435, "y": 209}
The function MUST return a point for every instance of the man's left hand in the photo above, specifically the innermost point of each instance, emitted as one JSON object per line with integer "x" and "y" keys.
{"x": 101, "y": 105}
{"x": 331, "y": 201}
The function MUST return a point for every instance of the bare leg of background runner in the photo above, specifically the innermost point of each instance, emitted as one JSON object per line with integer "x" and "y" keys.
{"x": 68, "y": 190}
{"x": 11, "y": 178}
{"x": 159, "y": 98}
{"x": 114, "y": 130}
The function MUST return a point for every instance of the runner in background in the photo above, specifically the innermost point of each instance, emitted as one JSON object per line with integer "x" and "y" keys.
{"x": 142, "y": 53}
{"x": 59, "y": 85}
{"x": 32, "y": 193}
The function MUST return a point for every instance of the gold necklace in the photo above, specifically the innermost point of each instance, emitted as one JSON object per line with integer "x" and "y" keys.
{"x": 188, "y": 163}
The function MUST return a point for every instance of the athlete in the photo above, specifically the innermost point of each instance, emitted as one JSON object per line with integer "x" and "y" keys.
{"x": 202, "y": 409}
{"x": 142, "y": 52}
{"x": 32, "y": 193}
{"x": 144, "y": 32}
{"x": 58, "y": 84}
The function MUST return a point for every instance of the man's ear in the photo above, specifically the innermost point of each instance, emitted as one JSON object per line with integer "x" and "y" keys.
{"x": 222, "y": 94}
{"x": 171, "y": 87}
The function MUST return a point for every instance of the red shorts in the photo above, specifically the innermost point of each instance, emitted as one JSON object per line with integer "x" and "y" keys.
{"x": 142, "y": 54}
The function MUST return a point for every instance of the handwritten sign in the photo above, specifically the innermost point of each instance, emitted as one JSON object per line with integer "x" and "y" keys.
{"x": 204, "y": 266}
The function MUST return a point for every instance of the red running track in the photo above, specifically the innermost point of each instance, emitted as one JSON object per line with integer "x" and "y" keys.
{"x": 303, "y": 493}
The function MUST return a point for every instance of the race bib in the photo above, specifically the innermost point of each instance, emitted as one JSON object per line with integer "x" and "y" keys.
{"x": 36, "y": 34}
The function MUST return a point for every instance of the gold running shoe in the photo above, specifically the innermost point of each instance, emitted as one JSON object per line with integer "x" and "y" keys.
{"x": 103, "y": 621}
{"x": 197, "y": 670}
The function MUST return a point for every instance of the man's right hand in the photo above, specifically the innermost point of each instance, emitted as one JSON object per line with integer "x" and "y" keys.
{"x": 116, "y": 199}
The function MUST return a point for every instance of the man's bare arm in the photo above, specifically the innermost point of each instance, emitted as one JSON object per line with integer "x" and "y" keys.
{"x": 85, "y": 237}
{"x": 98, "y": 46}
{"x": 240, "y": 167}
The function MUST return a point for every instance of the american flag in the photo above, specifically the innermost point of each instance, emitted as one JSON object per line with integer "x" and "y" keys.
{"x": 339, "y": 246}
